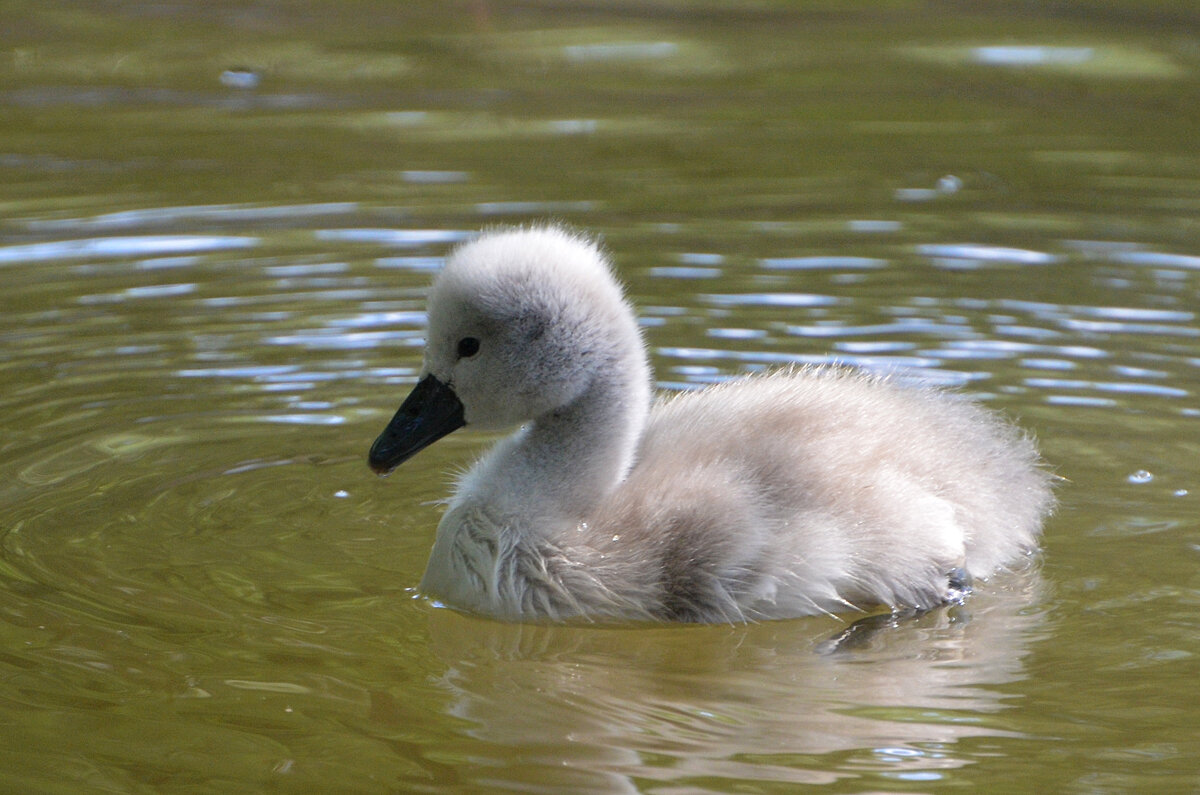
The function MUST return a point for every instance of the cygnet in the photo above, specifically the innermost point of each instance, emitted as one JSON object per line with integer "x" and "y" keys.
{"x": 809, "y": 490}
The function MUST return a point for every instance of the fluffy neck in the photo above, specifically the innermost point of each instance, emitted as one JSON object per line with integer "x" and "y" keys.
{"x": 555, "y": 469}
{"x": 577, "y": 454}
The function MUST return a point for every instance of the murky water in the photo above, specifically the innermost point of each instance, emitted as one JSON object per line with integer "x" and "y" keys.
{"x": 218, "y": 222}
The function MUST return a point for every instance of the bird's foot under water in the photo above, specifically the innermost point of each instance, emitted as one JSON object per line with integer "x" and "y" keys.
{"x": 958, "y": 586}
{"x": 863, "y": 631}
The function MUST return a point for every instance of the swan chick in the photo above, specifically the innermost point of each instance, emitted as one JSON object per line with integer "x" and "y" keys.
{"x": 808, "y": 490}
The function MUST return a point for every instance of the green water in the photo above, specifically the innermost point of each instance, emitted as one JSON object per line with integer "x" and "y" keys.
{"x": 212, "y": 302}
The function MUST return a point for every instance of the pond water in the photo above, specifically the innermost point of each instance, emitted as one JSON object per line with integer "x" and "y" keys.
{"x": 217, "y": 224}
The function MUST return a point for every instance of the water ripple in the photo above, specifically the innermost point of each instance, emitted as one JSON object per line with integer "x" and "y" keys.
{"x": 162, "y": 216}
{"x": 822, "y": 263}
{"x": 399, "y": 238}
{"x": 115, "y": 247}
{"x": 411, "y": 263}
{"x": 1156, "y": 329}
{"x": 913, "y": 325}
{"x": 701, "y": 259}
{"x": 769, "y": 299}
{"x": 147, "y": 291}
{"x": 534, "y": 207}
{"x": 1124, "y": 387}
{"x": 1157, "y": 258}
{"x": 682, "y": 272}
{"x": 1032, "y": 55}
{"x": 966, "y": 255}
{"x": 620, "y": 51}
{"x": 332, "y": 339}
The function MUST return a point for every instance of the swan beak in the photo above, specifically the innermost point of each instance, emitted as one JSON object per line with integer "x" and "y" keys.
{"x": 430, "y": 412}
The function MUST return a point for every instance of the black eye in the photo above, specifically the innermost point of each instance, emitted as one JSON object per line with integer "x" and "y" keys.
{"x": 468, "y": 347}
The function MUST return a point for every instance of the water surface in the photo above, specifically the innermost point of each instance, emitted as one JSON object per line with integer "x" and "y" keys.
{"x": 218, "y": 224}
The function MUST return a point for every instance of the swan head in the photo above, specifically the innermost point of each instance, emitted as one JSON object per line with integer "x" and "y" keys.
{"x": 521, "y": 323}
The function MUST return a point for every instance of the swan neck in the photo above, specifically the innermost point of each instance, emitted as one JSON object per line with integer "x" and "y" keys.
{"x": 582, "y": 450}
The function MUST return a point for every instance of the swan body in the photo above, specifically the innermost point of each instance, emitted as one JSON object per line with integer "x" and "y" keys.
{"x": 809, "y": 490}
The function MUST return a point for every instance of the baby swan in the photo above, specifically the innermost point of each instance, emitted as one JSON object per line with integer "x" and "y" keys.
{"x": 810, "y": 490}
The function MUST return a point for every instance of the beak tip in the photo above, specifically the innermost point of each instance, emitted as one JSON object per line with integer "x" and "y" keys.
{"x": 380, "y": 460}
{"x": 430, "y": 412}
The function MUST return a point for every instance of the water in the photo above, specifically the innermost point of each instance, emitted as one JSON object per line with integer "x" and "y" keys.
{"x": 218, "y": 224}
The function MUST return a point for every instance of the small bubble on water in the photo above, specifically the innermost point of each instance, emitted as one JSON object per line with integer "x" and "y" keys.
{"x": 341, "y": 493}
{"x": 1141, "y": 476}
{"x": 1180, "y": 492}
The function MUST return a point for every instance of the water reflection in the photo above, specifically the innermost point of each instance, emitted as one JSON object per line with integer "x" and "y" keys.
{"x": 400, "y": 238}
{"x": 821, "y": 263}
{"x": 218, "y": 213}
{"x": 118, "y": 247}
{"x": 972, "y": 255}
{"x": 606, "y": 709}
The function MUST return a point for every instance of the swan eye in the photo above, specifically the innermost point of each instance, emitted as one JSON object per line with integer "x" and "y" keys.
{"x": 468, "y": 347}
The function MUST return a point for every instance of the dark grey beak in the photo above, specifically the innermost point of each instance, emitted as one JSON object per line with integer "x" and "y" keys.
{"x": 430, "y": 412}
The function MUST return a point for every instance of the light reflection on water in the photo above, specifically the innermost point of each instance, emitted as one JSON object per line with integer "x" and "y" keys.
{"x": 108, "y": 247}
{"x": 937, "y": 335}
{"x": 683, "y": 694}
